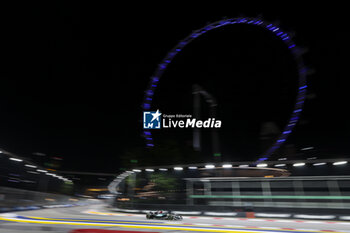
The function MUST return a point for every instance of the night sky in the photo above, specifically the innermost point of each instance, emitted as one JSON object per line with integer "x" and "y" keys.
{"x": 73, "y": 78}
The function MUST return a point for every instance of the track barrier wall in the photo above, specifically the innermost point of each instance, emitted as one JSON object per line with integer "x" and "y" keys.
{"x": 12, "y": 199}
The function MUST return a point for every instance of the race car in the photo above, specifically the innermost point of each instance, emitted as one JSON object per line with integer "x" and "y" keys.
{"x": 165, "y": 215}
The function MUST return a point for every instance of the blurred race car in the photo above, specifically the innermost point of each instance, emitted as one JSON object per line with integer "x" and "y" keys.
{"x": 165, "y": 215}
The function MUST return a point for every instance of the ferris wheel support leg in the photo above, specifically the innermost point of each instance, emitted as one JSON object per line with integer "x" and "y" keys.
{"x": 196, "y": 114}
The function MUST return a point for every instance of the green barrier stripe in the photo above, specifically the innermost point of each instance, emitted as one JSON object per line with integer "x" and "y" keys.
{"x": 273, "y": 197}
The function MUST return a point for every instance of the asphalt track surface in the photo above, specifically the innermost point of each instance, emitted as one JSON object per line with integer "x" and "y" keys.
{"x": 66, "y": 220}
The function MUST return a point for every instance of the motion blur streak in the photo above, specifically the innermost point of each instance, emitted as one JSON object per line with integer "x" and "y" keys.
{"x": 68, "y": 219}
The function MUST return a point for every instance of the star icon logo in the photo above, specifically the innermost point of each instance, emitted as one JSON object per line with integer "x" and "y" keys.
{"x": 156, "y": 115}
{"x": 152, "y": 119}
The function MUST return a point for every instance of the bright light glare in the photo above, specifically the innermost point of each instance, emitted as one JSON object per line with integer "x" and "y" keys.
{"x": 227, "y": 165}
{"x": 163, "y": 169}
{"x": 340, "y": 163}
{"x": 136, "y": 170}
{"x": 307, "y": 148}
{"x": 298, "y": 164}
{"x": 319, "y": 164}
{"x": 39, "y": 170}
{"x": 31, "y": 166}
{"x": 192, "y": 168}
{"x": 149, "y": 170}
{"x": 210, "y": 166}
{"x": 15, "y": 159}
{"x": 262, "y": 165}
{"x": 178, "y": 168}
{"x": 280, "y": 165}
{"x": 243, "y": 165}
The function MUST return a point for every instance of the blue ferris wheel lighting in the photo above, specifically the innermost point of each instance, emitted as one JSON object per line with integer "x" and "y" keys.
{"x": 277, "y": 31}
{"x": 147, "y": 132}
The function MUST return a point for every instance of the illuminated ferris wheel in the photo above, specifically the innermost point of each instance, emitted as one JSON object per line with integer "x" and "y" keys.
{"x": 253, "y": 22}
